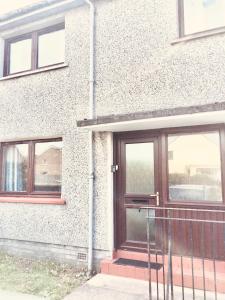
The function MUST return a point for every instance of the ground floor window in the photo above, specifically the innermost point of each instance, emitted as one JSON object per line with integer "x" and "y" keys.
{"x": 31, "y": 167}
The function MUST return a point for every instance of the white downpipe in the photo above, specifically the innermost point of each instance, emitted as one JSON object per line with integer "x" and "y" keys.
{"x": 90, "y": 135}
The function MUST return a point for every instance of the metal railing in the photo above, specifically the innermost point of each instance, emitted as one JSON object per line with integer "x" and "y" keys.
{"x": 186, "y": 253}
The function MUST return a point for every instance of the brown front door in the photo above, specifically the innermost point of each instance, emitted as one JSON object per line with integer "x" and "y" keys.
{"x": 137, "y": 186}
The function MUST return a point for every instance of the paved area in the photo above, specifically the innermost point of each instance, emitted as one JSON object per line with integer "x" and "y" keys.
{"x": 17, "y": 296}
{"x": 102, "y": 287}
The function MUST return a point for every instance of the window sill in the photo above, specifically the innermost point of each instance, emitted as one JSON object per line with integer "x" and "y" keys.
{"x": 27, "y": 73}
{"x": 198, "y": 36}
{"x": 32, "y": 200}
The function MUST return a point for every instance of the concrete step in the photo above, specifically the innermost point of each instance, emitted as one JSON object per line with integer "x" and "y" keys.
{"x": 108, "y": 267}
{"x": 186, "y": 261}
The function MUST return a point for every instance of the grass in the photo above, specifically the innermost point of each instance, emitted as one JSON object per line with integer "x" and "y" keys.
{"x": 41, "y": 278}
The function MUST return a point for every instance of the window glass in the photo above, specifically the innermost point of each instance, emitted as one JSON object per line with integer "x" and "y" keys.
{"x": 20, "y": 56}
{"x": 48, "y": 164}
{"x": 140, "y": 168}
{"x": 194, "y": 167}
{"x": 14, "y": 168}
{"x": 201, "y": 15}
{"x": 51, "y": 48}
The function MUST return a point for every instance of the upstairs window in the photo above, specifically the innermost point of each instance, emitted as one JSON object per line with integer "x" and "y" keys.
{"x": 201, "y": 15}
{"x": 35, "y": 50}
{"x": 31, "y": 167}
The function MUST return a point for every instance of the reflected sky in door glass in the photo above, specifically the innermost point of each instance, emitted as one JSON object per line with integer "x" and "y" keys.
{"x": 201, "y": 15}
{"x": 20, "y": 56}
{"x": 194, "y": 167}
{"x": 51, "y": 48}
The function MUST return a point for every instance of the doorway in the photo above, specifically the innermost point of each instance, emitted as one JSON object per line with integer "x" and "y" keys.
{"x": 138, "y": 186}
{"x": 177, "y": 168}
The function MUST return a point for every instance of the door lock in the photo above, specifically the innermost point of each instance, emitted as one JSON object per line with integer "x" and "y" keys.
{"x": 157, "y": 198}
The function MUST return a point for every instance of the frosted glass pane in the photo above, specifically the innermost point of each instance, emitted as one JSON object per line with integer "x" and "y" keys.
{"x": 200, "y": 15}
{"x": 20, "y": 56}
{"x": 48, "y": 165}
{"x": 194, "y": 167}
{"x": 51, "y": 48}
{"x": 140, "y": 168}
{"x": 136, "y": 224}
{"x": 15, "y": 167}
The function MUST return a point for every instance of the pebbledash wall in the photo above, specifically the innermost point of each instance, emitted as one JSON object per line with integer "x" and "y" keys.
{"x": 137, "y": 69}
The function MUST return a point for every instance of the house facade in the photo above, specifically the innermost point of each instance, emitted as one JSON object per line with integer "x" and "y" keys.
{"x": 157, "y": 126}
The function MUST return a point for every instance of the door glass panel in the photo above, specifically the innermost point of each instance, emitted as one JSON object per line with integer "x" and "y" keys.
{"x": 140, "y": 168}
{"x": 136, "y": 225}
{"x": 194, "y": 167}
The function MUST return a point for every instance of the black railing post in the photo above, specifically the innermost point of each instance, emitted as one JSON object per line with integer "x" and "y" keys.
{"x": 181, "y": 236}
{"x": 213, "y": 257}
{"x": 149, "y": 256}
{"x": 192, "y": 262}
{"x": 163, "y": 255}
{"x": 169, "y": 290}
{"x": 203, "y": 256}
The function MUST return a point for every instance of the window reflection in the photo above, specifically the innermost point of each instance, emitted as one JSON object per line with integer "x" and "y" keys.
{"x": 194, "y": 167}
{"x": 48, "y": 164}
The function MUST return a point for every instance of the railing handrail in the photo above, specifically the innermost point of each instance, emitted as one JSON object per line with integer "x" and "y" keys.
{"x": 186, "y": 220}
{"x": 182, "y": 209}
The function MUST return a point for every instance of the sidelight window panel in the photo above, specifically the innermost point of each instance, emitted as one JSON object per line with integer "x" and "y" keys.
{"x": 194, "y": 167}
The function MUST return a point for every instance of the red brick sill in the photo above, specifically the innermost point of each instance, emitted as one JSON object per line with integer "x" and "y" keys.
{"x": 55, "y": 201}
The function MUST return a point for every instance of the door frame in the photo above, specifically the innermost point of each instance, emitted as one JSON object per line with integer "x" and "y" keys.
{"x": 119, "y": 140}
{"x": 161, "y": 134}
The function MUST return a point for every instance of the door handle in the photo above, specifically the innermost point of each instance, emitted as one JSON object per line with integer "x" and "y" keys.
{"x": 157, "y": 198}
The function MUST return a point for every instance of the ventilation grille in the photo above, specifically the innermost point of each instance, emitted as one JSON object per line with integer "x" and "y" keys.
{"x": 82, "y": 256}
